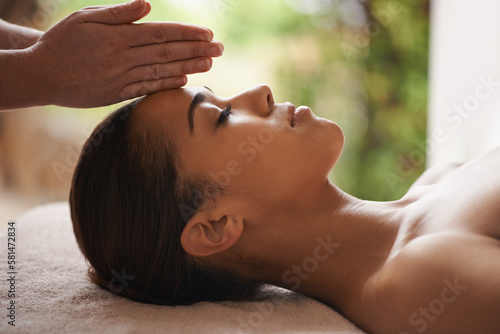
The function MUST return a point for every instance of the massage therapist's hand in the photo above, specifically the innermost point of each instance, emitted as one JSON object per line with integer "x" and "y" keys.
{"x": 97, "y": 56}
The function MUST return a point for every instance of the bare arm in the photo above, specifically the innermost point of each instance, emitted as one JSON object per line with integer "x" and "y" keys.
{"x": 97, "y": 56}
{"x": 13, "y": 36}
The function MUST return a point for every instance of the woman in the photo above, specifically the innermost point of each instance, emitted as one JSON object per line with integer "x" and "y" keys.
{"x": 197, "y": 197}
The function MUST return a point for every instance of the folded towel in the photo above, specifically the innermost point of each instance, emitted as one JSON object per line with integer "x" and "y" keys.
{"x": 54, "y": 295}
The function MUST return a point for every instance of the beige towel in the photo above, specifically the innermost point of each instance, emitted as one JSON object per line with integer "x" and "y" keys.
{"x": 53, "y": 295}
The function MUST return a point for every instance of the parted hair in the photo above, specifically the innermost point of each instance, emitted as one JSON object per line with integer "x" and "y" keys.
{"x": 126, "y": 199}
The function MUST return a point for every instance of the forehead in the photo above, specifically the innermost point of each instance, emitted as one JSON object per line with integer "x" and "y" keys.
{"x": 167, "y": 108}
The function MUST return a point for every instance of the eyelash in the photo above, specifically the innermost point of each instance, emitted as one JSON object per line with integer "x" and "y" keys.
{"x": 224, "y": 115}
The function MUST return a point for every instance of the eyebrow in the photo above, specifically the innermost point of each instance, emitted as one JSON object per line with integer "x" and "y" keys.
{"x": 197, "y": 99}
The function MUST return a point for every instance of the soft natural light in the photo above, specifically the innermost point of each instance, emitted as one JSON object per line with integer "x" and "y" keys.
{"x": 357, "y": 62}
{"x": 191, "y": 4}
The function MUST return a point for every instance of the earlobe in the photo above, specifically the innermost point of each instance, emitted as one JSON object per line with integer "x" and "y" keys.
{"x": 203, "y": 237}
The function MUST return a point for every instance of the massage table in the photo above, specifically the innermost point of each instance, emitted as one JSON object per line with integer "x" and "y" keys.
{"x": 54, "y": 295}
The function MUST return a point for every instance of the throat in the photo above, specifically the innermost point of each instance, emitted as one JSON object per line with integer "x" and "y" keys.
{"x": 337, "y": 255}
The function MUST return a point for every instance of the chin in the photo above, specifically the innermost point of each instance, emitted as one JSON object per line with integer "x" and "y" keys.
{"x": 334, "y": 141}
{"x": 325, "y": 143}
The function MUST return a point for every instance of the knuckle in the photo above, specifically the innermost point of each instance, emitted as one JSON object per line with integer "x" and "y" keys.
{"x": 116, "y": 12}
{"x": 164, "y": 52}
{"x": 154, "y": 71}
{"x": 197, "y": 50}
{"x": 157, "y": 72}
{"x": 134, "y": 90}
{"x": 185, "y": 34}
{"x": 125, "y": 94}
{"x": 75, "y": 15}
{"x": 143, "y": 89}
{"x": 159, "y": 35}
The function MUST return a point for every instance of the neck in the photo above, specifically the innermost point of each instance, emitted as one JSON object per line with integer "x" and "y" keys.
{"x": 330, "y": 245}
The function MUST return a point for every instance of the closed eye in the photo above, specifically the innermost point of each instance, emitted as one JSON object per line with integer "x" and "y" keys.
{"x": 224, "y": 115}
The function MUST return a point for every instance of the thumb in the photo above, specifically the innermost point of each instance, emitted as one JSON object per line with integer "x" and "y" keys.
{"x": 117, "y": 14}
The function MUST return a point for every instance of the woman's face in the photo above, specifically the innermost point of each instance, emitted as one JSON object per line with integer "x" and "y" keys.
{"x": 246, "y": 143}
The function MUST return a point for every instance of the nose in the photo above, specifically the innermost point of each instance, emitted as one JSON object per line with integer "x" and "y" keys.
{"x": 259, "y": 99}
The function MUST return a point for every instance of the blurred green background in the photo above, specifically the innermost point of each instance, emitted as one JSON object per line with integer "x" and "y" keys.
{"x": 360, "y": 63}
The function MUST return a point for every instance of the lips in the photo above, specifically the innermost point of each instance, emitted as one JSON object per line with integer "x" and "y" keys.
{"x": 291, "y": 112}
{"x": 297, "y": 114}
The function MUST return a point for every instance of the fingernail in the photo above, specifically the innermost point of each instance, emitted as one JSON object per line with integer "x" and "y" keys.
{"x": 215, "y": 50}
{"x": 203, "y": 65}
{"x": 204, "y": 37}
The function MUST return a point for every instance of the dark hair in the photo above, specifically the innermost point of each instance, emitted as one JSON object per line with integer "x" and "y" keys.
{"x": 125, "y": 200}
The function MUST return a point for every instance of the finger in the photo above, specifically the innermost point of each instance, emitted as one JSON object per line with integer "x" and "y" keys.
{"x": 173, "y": 69}
{"x": 107, "y": 6}
{"x": 116, "y": 14}
{"x": 173, "y": 51}
{"x": 160, "y": 32}
{"x": 147, "y": 10}
{"x": 146, "y": 87}
{"x": 95, "y": 7}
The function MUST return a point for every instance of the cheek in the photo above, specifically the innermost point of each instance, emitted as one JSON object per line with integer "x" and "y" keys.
{"x": 231, "y": 159}
{"x": 279, "y": 162}
{"x": 272, "y": 161}
{"x": 251, "y": 158}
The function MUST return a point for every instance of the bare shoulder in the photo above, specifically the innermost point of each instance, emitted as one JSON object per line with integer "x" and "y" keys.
{"x": 446, "y": 282}
{"x": 435, "y": 174}
{"x": 439, "y": 172}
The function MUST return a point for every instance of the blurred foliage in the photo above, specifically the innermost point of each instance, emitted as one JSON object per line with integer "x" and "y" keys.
{"x": 360, "y": 63}
{"x": 371, "y": 78}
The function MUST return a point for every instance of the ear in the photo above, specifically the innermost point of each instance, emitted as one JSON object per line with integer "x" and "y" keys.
{"x": 207, "y": 233}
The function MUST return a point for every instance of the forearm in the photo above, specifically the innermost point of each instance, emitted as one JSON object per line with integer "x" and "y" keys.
{"x": 20, "y": 83}
{"x": 13, "y": 36}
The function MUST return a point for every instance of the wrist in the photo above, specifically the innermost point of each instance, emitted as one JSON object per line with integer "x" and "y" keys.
{"x": 17, "y": 86}
{"x": 38, "y": 73}
{"x": 32, "y": 37}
